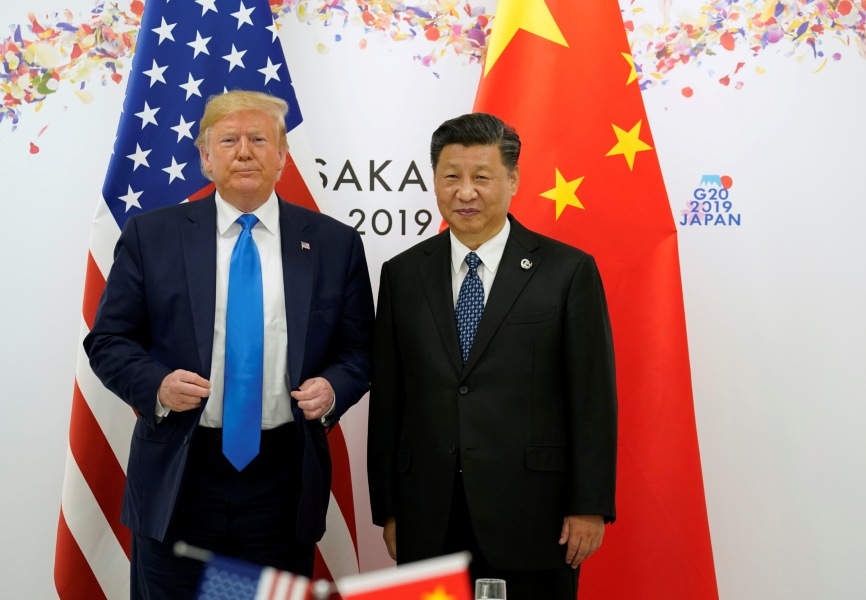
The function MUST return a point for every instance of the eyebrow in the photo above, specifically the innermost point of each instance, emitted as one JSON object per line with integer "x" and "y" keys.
{"x": 249, "y": 132}
{"x": 473, "y": 169}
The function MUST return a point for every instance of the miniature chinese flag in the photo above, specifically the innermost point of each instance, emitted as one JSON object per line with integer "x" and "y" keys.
{"x": 443, "y": 578}
{"x": 561, "y": 72}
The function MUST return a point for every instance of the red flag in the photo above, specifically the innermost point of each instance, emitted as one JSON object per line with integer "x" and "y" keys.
{"x": 442, "y": 578}
{"x": 562, "y": 74}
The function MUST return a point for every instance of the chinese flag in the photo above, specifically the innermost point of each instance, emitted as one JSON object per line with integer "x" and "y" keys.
{"x": 561, "y": 72}
{"x": 442, "y": 578}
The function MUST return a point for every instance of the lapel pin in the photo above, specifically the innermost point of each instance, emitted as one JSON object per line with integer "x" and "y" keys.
{"x": 305, "y": 246}
{"x": 525, "y": 264}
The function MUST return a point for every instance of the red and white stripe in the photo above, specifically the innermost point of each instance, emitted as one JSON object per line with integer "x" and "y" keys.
{"x": 92, "y": 552}
{"x": 282, "y": 585}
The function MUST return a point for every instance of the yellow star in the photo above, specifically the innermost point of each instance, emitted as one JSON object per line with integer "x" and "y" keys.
{"x": 438, "y": 594}
{"x": 632, "y": 76}
{"x": 564, "y": 193}
{"x": 512, "y": 15}
{"x": 628, "y": 144}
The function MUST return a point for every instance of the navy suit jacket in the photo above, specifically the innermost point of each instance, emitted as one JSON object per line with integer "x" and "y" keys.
{"x": 531, "y": 415}
{"x": 156, "y": 315}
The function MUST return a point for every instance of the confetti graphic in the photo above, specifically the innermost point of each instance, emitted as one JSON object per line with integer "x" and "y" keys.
{"x": 443, "y": 26}
{"x": 47, "y": 51}
{"x": 803, "y": 30}
{"x": 94, "y": 50}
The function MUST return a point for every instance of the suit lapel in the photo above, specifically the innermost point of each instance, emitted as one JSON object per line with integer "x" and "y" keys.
{"x": 510, "y": 280}
{"x": 435, "y": 273}
{"x": 198, "y": 237}
{"x": 297, "y": 283}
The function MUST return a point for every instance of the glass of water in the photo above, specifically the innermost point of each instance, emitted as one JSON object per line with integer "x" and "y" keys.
{"x": 489, "y": 589}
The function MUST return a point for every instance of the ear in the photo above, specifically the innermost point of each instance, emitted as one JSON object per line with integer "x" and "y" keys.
{"x": 514, "y": 179}
{"x": 205, "y": 162}
{"x": 284, "y": 154}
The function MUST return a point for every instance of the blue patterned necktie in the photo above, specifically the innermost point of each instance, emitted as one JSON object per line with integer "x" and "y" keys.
{"x": 245, "y": 332}
{"x": 470, "y": 305}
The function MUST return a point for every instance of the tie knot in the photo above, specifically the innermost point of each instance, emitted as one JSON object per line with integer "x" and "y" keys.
{"x": 472, "y": 260}
{"x": 248, "y": 220}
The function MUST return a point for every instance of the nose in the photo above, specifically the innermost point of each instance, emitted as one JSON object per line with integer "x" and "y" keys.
{"x": 243, "y": 148}
{"x": 466, "y": 190}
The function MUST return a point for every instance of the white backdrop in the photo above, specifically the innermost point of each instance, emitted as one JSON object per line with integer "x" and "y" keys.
{"x": 774, "y": 306}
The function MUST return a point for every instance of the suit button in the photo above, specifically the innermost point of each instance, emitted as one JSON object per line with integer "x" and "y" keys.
{"x": 186, "y": 439}
{"x": 463, "y": 390}
{"x": 452, "y": 450}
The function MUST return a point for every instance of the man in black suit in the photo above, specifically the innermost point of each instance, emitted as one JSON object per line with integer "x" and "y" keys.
{"x": 495, "y": 436}
{"x": 164, "y": 341}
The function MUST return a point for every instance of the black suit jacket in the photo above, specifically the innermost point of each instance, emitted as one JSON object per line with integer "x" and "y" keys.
{"x": 532, "y": 414}
{"x": 157, "y": 315}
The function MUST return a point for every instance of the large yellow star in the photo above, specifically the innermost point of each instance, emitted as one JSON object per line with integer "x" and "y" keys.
{"x": 564, "y": 193}
{"x": 512, "y": 15}
{"x": 632, "y": 76}
{"x": 628, "y": 144}
{"x": 440, "y": 593}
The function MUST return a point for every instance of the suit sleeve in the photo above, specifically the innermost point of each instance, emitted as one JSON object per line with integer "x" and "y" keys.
{"x": 117, "y": 344}
{"x": 385, "y": 414}
{"x": 348, "y": 370}
{"x": 592, "y": 405}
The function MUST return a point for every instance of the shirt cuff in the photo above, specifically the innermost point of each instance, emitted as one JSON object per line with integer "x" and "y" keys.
{"x": 161, "y": 412}
{"x": 326, "y": 419}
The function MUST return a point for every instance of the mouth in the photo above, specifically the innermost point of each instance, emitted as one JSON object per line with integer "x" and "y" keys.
{"x": 467, "y": 212}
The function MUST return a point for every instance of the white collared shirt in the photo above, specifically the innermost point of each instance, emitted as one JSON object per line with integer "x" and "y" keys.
{"x": 490, "y": 253}
{"x": 276, "y": 404}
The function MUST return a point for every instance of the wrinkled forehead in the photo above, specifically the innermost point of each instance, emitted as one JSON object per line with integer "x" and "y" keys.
{"x": 472, "y": 157}
{"x": 246, "y": 120}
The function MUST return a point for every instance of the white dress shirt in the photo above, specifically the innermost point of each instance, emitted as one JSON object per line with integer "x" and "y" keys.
{"x": 490, "y": 253}
{"x": 276, "y": 404}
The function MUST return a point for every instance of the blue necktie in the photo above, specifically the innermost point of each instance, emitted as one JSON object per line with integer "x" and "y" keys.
{"x": 245, "y": 332}
{"x": 470, "y": 305}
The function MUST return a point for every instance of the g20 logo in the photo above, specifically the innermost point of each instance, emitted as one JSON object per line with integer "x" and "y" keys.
{"x": 711, "y": 204}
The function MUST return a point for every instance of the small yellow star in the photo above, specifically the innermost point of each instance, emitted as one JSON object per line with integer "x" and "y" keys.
{"x": 564, "y": 193}
{"x": 628, "y": 144}
{"x": 438, "y": 594}
{"x": 632, "y": 76}
{"x": 512, "y": 15}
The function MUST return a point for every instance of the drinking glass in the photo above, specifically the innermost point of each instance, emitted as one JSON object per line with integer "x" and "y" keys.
{"x": 490, "y": 589}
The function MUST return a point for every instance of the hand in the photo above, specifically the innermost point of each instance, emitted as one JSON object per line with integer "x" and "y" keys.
{"x": 183, "y": 390}
{"x": 389, "y": 534}
{"x": 315, "y": 397}
{"x": 583, "y": 534}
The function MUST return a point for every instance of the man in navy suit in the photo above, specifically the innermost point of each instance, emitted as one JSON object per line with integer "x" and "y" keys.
{"x": 159, "y": 342}
{"x": 500, "y": 440}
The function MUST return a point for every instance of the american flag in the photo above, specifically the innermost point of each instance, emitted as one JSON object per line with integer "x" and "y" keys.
{"x": 186, "y": 51}
{"x": 231, "y": 579}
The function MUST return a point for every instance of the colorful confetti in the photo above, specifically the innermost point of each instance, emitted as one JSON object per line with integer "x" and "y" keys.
{"x": 799, "y": 29}
{"x": 52, "y": 50}
{"x": 442, "y": 26}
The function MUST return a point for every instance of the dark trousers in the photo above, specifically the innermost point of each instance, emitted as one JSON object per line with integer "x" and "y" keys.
{"x": 249, "y": 515}
{"x": 553, "y": 584}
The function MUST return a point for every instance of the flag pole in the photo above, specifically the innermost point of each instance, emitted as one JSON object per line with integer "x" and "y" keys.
{"x": 184, "y": 550}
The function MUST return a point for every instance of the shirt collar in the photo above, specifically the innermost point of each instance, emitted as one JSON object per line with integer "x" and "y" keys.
{"x": 490, "y": 252}
{"x": 268, "y": 214}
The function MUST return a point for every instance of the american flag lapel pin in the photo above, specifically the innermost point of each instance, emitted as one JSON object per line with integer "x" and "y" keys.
{"x": 305, "y": 245}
